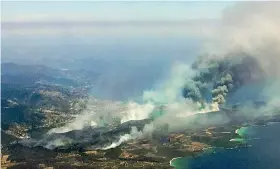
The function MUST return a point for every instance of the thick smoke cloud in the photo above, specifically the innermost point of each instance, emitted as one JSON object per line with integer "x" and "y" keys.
{"x": 251, "y": 28}
{"x": 241, "y": 50}
{"x": 219, "y": 77}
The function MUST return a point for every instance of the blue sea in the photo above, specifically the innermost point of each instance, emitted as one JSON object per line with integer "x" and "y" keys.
{"x": 263, "y": 152}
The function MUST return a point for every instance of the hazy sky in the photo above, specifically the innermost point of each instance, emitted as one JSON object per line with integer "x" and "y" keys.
{"x": 109, "y": 11}
{"x": 121, "y": 19}
{"x": 41, "y": 31}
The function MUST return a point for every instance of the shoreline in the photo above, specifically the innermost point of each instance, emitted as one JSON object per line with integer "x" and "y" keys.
{"x": 170, "y": 162}
{"x": 240, "y": 131}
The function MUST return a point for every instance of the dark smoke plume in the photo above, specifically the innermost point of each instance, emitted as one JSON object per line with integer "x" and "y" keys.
{"x": 219, "y": 77}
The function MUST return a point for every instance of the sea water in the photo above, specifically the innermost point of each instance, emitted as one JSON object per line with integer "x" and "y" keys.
{"x": 263, "y": 152}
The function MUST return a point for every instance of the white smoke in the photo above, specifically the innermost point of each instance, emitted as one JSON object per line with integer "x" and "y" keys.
{"x": 91, "y": 115}
{"x": 58, "y": 142}
{"x": 79, "y": 123}
{"x": 167, "y": 92}
{"x": 170, "y": 89}
{"x": 134, "y": 134}
{"x": 136, "y": 111}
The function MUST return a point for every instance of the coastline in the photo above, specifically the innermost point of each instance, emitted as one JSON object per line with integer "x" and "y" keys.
{"x": 241, "y": 131}
{"x": 260, "y": 130}
{"x": 170, "y": 162}
{"x": 207, "y": 150}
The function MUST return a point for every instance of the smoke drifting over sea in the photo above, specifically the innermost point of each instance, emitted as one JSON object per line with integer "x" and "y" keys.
{"x": 242, "y": 51}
